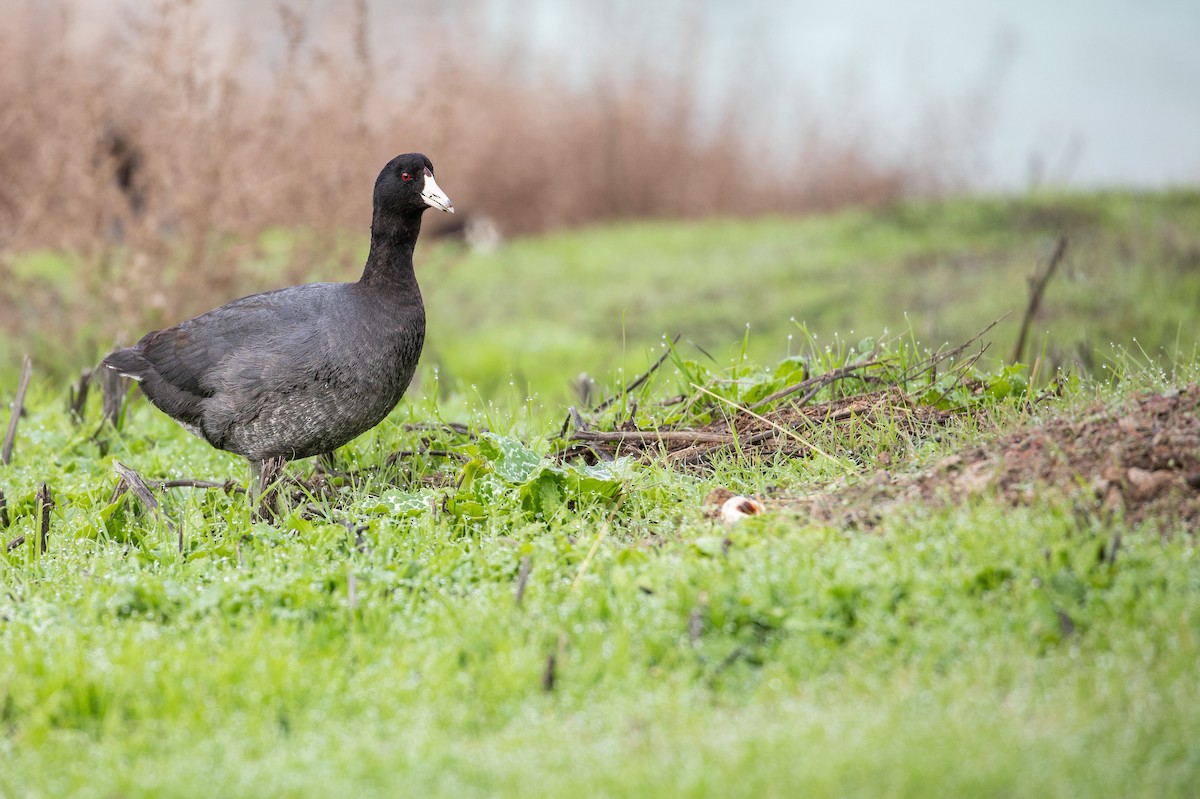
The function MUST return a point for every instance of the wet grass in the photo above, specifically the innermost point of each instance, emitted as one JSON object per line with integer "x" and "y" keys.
{"x": 538, "y": 312}
{"x": 382, "y": 644}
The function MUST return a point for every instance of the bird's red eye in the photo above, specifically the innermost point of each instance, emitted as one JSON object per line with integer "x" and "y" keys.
{"x": 405, "y": 177}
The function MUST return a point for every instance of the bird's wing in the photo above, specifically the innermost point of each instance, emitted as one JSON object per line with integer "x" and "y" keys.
{"x": 194, "y": 355}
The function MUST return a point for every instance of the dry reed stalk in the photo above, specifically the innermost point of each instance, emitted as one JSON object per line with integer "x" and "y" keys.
{"x": 140, "y": 151}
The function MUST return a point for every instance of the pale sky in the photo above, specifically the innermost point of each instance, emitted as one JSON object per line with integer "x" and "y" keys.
{"x": 1098, "y": 92}
{"x": 1102, "y": 92}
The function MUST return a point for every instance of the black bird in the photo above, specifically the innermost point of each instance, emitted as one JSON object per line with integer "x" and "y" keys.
{"x": 300, "y": 371}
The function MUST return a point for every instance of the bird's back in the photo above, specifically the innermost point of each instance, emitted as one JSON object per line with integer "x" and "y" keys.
{"x": 288, "y": 373}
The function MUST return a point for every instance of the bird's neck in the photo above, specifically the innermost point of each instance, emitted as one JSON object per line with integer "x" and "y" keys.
{"x": 390, "y": 261}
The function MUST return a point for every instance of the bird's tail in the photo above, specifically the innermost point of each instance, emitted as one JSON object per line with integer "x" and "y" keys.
{"x": 130, "y": 362}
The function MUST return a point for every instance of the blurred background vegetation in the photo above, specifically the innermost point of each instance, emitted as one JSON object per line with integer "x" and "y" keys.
{"x": 160, "y": 157}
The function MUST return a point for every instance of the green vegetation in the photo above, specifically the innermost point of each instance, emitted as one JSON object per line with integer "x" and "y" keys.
{"x": 543, "y": 310}
{"x": 376, "y": 645}
{"x": 540, "y": 311}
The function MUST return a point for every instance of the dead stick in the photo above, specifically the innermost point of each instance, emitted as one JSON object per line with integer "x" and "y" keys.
{"x": 572, "y": 416}
{"x": 45, "y": 502}
{"x": 444, "y": 427}
{"x": 652, "y": 436}
{"x": 433, "y": 453}
{"x": 227, "y": 486}
{"x": 1037, "y": 287}
{"x": 78, "y": 395}
{"x": 942, "y": 355}
{"x": 137, "y": 485}
{"x": 726, "y": 662}
{"x": 694, "y": 455}
{"x": 789, "y": 433}
{"x": 653, "y": 367}
{"x": 112, "y": 390}
{"x": 523, "y": 578}
{"x": 550, "y": 672}
{"x": 18, "y": 402}
{"x": 3, "y": 511}
{"x": 820, "y": 381}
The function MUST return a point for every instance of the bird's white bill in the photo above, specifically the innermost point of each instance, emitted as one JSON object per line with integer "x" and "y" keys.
{"x": 434, "y": 196}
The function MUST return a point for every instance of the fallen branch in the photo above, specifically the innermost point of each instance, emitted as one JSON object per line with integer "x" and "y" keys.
{"x": 228, "y": 486}
{"x": 790, "y": 429}
{"x": 18, "y": 403}
{"x": 578, "y": 449}
{"x": 132, "y": 481}
{"x": 813, "y": 385}
{"x": 818, "y": 382}
{"x": 446, "y": 427}
{"x": 651, "y": 436}
{"x": 433, "y": 453}
{"x": 789, "y": 433}
{"x": 573, "y": 416}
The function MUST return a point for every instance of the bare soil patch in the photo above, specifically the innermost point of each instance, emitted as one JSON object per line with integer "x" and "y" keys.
{"x": 1141, "y": 459}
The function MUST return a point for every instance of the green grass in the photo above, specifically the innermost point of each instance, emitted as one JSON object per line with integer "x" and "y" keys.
{"x": 542, "y": 310}
{"x": 969, "y": 649}
{"x": 539, "y": 311}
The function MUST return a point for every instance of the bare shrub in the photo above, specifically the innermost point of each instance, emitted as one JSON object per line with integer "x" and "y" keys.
{"x": 155, "y": 153}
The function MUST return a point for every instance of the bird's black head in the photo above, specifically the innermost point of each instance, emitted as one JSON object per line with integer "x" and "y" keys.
{"x": 406, "y": 186}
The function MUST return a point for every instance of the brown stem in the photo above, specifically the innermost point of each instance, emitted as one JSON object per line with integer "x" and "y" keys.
{"x": 18, "y": 403}
{"x": 1037, "y": 287}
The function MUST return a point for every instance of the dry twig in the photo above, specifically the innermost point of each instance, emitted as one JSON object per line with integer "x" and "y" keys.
{"x": 228, "y": 486}
{"x": 652, "y": 436}
{"x": 523, "y": 578}
{"x": 433, "y": 453}
{"x": 1037, "y": 287}
{"x": 646, "y": 376}
{"x": 78, "y": 394}
{"x": 132, "y": 481}
{"x": 18, "y": 404}
{"x": 44, "y": 500}
{"x": 457, "y": 428}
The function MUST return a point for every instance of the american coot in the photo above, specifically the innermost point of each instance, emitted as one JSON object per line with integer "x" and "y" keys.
{"x": 300, "y": 371}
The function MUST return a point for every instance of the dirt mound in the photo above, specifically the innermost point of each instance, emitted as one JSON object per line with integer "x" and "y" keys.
{"x": 1142, "y": 459}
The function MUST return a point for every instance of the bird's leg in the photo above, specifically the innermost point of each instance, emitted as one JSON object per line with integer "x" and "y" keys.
{"x": 264, "y": 493}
